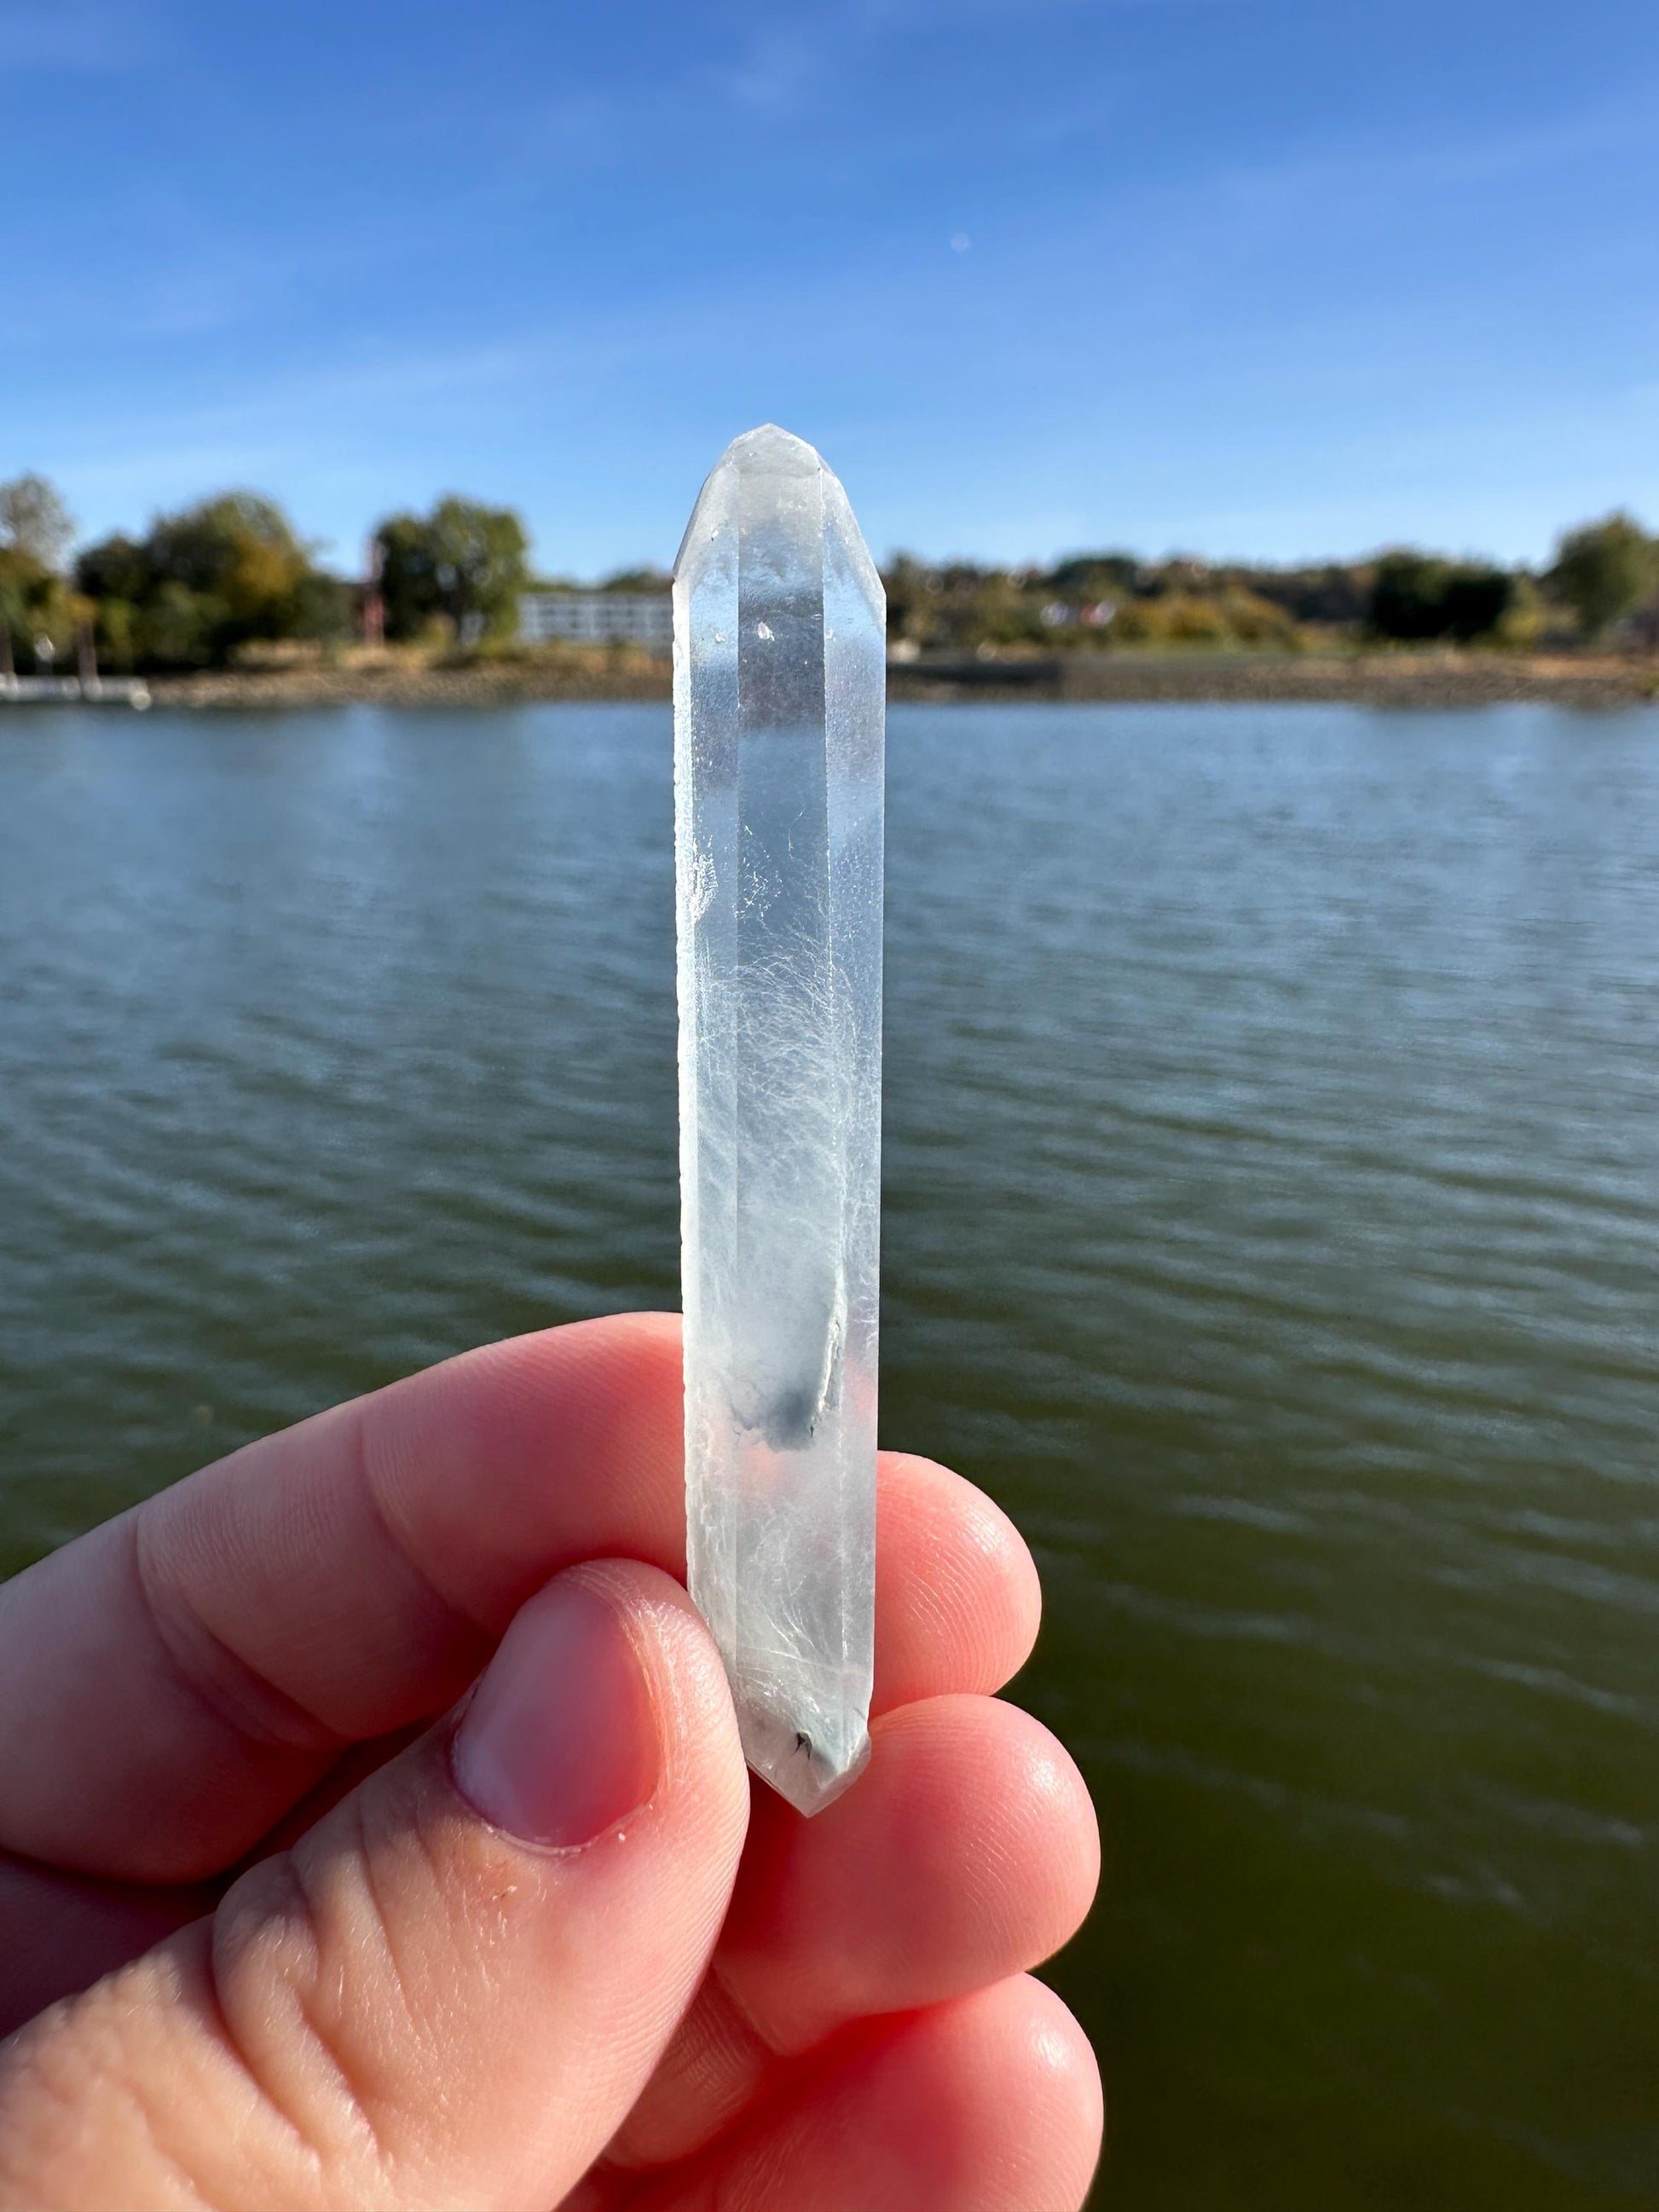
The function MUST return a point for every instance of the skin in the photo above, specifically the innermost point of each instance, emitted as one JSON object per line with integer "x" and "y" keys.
{"x": 264, "y": 1949}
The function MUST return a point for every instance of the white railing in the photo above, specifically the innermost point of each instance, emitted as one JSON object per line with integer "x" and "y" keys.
{"x": 92, "y": 690}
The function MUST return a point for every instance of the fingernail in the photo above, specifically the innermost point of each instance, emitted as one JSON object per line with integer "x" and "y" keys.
{"x": 560, "y": 1741}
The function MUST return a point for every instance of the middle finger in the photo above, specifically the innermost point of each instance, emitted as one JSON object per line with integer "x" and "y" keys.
{"x": 967, "y": 1852}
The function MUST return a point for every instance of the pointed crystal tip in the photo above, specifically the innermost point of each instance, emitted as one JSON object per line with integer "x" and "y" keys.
{"x": 809, "y": 1775}
{"x": 775, "y": 468}
{"x": 770, "y": 452}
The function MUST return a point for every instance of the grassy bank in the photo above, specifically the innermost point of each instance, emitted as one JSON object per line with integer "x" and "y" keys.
{"x": 1444, "y": 678}
{"x": 1401, "y": 679}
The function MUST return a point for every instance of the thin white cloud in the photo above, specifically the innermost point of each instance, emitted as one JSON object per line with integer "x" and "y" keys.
{"x": 941, "y": 15}
{"x": 774, "y": 72}
{"x": 75, "y": 39}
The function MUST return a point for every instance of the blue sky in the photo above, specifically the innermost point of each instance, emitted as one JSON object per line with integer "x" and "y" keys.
{"x": 1279, "y": 279}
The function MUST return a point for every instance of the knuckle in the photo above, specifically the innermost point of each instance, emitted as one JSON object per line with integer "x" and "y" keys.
{"x": 345, "y": 1970}
{"x": 299, "y": 1961}
{"x": 90, "y": 2089}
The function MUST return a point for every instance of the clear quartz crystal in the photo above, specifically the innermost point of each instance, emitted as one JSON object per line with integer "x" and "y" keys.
{"x": 779, "y": 705}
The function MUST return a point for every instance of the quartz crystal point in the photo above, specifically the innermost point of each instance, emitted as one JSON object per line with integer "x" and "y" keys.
{"x": 779, "y": 655}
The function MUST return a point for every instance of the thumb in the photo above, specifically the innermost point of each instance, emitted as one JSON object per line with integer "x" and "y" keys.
{"x": 450, "y": 1991}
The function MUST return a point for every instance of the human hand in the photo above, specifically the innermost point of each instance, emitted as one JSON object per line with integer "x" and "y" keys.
{"x": 543, "y": 1953}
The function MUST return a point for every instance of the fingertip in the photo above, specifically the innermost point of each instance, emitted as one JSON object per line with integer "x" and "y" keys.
{"x": 696, "y": 1727}
{"x": 999, "y": 2096}
{"x": 562, "y": 1741}
{"x": 968, "y": 1851}
{"x": 990, "y": 2103}
{"x": 1018, "y": 2041}
{"x": 958, "y": 1598}
{"x": 1059, "y": 1821}
{"x": 645, "y": 1347}
{"x": 990, "y": 1827}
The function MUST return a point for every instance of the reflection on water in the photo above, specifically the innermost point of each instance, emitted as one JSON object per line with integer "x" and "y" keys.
{"x": 1272, "y": 1197}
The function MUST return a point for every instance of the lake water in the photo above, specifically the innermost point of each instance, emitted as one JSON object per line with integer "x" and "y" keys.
{"x": 1273, "y": 1224}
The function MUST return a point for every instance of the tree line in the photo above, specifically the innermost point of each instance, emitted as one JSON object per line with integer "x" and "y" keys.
{"x": 1604, "y": 575}
{"x": 204, "y": 585}
{"x": 230, "y": 572}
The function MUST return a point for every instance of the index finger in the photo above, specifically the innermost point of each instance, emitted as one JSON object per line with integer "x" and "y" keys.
{"x": 175, "y": 1680}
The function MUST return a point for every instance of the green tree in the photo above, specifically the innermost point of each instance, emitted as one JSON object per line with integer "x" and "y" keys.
{"x": 237, "y": 554}
{"x": 12, "y": 616}
{"x": 912, "y": 599}
{"x": 34, "y": 521}
{"x": 1418, "y": 596}
{"x": 181, "y": 629}
{"x": 34, "y": 603}
{"x": 115, "y": 575}
{"x": 1604, "y": 571}
{"x": 1094, "y": 576}
{"x": 116, "y": 634}
{"x": 1476, "y": 601}
{"x": 408, "y": 583}
{"x": 1525, "y": 619}
{"x": 639, "y": 579}
{"x": 321, "y": 608}
{"x": 116, "y": 568}
{"x": 464, "y": 561}
{"x": 215, "y": 576}
{"x": 1335, "y": 593}
{"x": 480, "y": 554}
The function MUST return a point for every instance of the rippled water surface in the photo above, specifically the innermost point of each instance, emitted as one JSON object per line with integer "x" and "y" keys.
{"x": 1272, "y": 1199}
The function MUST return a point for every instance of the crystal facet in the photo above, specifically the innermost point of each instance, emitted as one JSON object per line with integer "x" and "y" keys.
{"x": 779, "y": 708}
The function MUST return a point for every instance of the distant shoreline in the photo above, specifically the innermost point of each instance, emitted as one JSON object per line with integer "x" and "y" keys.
{"x": 1398, "y": 679}
{"x": 1372, "y": 679}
